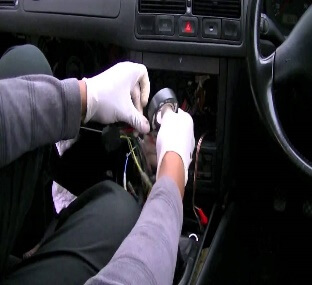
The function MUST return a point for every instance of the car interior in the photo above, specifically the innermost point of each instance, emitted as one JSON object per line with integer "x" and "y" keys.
{"x": 243, "y": 70}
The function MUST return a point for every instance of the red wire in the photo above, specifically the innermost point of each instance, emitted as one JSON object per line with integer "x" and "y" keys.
{"x": 195, "y": 172}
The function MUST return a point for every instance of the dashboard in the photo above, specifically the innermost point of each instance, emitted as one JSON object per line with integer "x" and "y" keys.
{"x": 286, "y": 13}
{"x": 195, "y": 27}
{"x": 219, "y": 26}
{"x": 190, "y": 27}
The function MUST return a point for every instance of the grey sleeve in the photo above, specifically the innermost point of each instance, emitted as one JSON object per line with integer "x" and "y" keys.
{"x": 36, "y": 110}
{"x": 148, "y": 255}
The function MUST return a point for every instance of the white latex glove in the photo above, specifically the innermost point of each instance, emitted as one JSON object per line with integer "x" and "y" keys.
{"x": 119, "y": 94}
{"x": 176, "y": 134}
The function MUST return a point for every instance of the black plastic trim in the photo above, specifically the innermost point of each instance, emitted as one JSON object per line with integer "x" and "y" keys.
{"x": 94, "y": 8}
{"x": 119, "y": 31}
{"x": 185, "y": 63}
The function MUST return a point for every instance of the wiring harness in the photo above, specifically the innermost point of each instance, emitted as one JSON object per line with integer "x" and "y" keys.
{"x": 140, "y": 163}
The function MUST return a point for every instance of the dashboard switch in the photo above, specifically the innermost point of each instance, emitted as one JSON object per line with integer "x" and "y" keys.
{"x": 146, "y": 25}
{"x": 188, "y": 26}
{"x": 212, "y": 28}
{"x": 165, "y": 25}
{"x": 230, "y": 30}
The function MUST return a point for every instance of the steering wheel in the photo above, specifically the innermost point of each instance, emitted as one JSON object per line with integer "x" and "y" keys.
{"x": 293, "y": 59}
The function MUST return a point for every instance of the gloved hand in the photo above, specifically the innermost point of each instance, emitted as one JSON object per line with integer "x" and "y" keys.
{"x": 176, "y": 134}
{"x": 119, "y": 94}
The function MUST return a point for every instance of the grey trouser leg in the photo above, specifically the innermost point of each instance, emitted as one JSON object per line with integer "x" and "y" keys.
{"x": 87, "y": 235}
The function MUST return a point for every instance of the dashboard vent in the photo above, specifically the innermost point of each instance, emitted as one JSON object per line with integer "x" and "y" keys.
{"x": 162, "y": 6}
{"x": 217, "y": 8}
{"x": 7, "y": 3}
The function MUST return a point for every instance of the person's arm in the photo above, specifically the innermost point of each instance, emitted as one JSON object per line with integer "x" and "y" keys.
{"x": 172, "y": 166}
{"x": 38, "y": 110}
{"x": 83, "y": 96}
{"x": 34, "y": 111}
{"x": 148, "y": 255}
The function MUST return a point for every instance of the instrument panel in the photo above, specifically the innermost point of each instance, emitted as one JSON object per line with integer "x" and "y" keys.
{"x": 286, "y": 13}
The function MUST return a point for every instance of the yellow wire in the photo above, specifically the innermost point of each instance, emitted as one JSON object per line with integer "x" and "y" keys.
{"x": 132, "y": 153}
{"x": 144, "y": 177}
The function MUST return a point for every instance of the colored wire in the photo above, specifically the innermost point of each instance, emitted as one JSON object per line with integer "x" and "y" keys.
{"x": 141, "y": 158}
{"x": 125, "y": 172}
{"x": 132, "y": 153}
{"x": 143, "y": 175}
{"x": 200, "y": 141}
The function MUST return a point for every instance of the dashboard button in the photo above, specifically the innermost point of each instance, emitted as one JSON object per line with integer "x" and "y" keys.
{"x": 230, "y": 30}
{"x": 165, "y": 25}
{"x": 146, "y": 25}
{"x": 188, "y": 26}
{"x": 212, "y": 28}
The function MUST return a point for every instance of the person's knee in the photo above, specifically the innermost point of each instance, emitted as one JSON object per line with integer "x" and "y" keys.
{"x": 28, "y": 49}
{"x": 23, "y": 60}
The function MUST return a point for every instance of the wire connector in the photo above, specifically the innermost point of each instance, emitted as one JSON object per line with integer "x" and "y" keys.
{"x": 202, "y": 217}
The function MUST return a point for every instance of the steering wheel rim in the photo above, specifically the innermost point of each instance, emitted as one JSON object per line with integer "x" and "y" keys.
{"x": 292, "y": 59}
